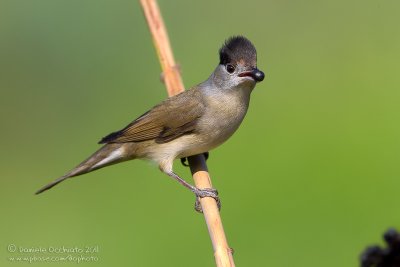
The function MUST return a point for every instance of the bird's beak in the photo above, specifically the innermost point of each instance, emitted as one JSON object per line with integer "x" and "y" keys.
{"x": 255, "y": 73}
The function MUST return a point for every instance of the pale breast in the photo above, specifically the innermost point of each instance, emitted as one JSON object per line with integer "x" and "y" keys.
{"x": 225, "y": 112}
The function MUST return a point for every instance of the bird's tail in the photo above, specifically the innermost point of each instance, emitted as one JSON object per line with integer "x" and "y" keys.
{"x": 105, "y": 156}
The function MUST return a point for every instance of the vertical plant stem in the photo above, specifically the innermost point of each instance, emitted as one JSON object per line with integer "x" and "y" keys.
{"x": 173, "y": 82}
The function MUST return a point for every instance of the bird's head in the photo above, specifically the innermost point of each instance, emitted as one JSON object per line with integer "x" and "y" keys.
{"x": 238, "y": 64}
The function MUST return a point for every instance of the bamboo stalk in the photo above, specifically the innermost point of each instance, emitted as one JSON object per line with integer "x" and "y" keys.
{"x": 173, "y": 82}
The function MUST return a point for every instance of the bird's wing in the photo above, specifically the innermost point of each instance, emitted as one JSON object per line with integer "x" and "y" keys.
{"x": 172, "y": 118}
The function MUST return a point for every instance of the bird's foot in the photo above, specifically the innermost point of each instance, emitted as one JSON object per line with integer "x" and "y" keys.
{"x": 184, "y": 160}
{"x": 206, "y": 192}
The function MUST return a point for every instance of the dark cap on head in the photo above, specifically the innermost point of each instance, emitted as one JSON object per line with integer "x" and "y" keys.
{"x": 237, "y": 49}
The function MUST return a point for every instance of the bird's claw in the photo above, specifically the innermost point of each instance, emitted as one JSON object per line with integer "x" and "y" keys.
{"x": 184, "y": 160}
{"x": 206, "y": 192}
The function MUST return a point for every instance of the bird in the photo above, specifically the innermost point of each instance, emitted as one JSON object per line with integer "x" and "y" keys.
{"x": 193, "y": 122}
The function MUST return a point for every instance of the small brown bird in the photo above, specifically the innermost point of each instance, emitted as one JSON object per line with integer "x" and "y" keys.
{"x": 190, "y": 123}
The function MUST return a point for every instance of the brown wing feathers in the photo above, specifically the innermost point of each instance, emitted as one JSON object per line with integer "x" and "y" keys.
{"x": 164, "y": 122}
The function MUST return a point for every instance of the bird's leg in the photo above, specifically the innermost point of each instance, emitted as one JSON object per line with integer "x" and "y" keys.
{"x": 200, "y": 193}
{"x": 183, "y": 160}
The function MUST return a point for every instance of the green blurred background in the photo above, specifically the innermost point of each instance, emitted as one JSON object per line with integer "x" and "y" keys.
{"x": 310, "y": 179}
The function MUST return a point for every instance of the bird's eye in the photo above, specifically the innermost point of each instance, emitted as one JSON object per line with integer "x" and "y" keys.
{"x": 230, "y": 68}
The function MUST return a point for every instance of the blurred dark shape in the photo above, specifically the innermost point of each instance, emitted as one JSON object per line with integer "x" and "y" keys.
{"x": 375, "y": 256}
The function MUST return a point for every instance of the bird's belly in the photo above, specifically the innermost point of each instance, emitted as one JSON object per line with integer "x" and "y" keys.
{"x": 223, "y": 117}
{"x": 183, "y": 146}
{"x": 188, "y": 145}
